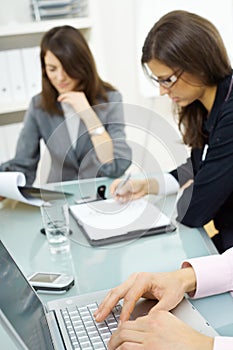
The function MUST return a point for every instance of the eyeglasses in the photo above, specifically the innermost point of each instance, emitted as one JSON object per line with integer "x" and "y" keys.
{"x": 166, "y": 83}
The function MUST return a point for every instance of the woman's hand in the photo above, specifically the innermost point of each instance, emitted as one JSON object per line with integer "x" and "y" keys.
{"x": 77, "y": 99}
{"x": 159, "y": 330}
{"x": 102, "y": 143}
{"x": 166, "y": 287}
{"x": 133, "y": 189}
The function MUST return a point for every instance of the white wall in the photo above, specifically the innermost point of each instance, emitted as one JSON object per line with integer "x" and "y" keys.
{"x": 114, "y": 44}
{"x": 14, "y": 11}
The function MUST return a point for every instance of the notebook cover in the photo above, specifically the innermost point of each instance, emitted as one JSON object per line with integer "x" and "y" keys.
{"x": 132, "y": 235}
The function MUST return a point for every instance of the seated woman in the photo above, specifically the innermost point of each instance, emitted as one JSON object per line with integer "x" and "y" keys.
{"x": 77, "y": 114}
{"x": 200, "y": 85}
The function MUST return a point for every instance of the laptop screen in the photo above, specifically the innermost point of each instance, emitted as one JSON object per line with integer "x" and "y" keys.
{"x": 21, "y": 305}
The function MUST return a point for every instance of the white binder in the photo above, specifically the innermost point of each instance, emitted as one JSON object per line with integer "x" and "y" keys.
{"x": 5, "y": 88}
{"x": 16, "y": 75}
{"x": 32, "y": 69}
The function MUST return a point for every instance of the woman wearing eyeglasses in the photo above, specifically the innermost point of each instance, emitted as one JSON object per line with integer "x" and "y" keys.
{"x": 184, "y": 54}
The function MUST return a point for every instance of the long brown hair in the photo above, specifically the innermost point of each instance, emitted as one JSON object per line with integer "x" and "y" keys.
{"x": 71, "y": 49}
{"x": 185, "y": 41}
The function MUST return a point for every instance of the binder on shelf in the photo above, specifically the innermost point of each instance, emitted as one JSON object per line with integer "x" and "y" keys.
{"x": 16, "y": 75}
{"x": 46, "y": 9}
{"x": 107, "y": 221}
{"x": 32, "y": 70}
{"x": 5, "y": 88}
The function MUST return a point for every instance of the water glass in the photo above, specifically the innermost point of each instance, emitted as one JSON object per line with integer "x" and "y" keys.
{"x": 55, "y": 217}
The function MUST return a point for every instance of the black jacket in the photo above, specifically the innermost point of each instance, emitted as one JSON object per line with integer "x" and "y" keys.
{"x": 211, "y": 195}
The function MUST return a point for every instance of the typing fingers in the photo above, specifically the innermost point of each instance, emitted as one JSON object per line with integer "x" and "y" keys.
{"x": 127, "y": 336}
{"x": 126, "y": 290}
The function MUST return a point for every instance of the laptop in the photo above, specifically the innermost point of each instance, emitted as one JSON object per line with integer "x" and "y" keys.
{"x": 62, "y": 323}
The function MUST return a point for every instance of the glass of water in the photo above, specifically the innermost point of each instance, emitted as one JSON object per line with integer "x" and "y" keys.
{"x": 55, "y": 217}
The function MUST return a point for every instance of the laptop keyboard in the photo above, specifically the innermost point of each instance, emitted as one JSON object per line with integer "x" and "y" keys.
{"x": 84, "y": 332}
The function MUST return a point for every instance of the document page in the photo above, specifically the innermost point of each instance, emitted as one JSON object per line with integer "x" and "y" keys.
{"x": 108, "y": 218}
{"x": 10, "y": 182}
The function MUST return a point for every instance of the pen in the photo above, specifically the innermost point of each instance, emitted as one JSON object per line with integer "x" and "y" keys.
{"x": 122, "y": 183}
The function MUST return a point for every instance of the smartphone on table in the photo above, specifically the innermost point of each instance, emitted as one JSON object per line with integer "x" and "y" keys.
{"x": 46, "y": 282}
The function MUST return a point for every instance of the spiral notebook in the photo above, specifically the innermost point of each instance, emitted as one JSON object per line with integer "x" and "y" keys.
{"x": 108, "y": 221}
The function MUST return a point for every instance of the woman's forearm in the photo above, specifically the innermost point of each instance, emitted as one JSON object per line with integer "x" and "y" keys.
{"x": 102, "y": 142}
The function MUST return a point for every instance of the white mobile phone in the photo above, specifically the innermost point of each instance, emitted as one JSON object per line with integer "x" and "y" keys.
{"x": 46, "y": 282}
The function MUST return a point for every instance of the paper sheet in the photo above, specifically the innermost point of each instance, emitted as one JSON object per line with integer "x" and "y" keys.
{"x": 108, "y": 218}
{"x": 9, "y": 188}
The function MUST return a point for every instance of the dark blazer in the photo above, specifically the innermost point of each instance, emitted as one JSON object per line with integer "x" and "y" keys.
{"x": 211, "y": 195}
{"x": 68, "y": 163}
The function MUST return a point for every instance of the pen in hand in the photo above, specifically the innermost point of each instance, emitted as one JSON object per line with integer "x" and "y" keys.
{"x": 121, "y": 184}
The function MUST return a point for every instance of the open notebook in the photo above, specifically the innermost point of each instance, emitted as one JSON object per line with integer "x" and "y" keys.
{"x": 108, "y": 221}
{"x": 66, "y": 324}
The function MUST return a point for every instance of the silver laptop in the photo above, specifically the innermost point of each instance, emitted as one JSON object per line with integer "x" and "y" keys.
{"x": 65, "y": 323}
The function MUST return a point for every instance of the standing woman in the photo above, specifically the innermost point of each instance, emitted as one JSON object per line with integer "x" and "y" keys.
{"x": 185, "y": 55}
{"x": 77, "y": 114}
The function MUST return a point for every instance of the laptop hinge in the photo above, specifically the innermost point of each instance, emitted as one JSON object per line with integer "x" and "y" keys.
{"x": 59, "y": 334}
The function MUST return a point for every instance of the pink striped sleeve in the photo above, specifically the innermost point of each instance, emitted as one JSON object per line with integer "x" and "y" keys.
{"x": 223, "y": 343}
{"x": 214, "y": 273}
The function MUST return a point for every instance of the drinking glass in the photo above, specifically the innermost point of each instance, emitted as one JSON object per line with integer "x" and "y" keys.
{"x": 55, "y": 217}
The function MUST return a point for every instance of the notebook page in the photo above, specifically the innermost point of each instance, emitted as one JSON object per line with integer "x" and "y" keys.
{"x": 108, "y": 218}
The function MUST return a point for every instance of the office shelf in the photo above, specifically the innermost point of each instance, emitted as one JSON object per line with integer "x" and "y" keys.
{"x": 30, "y": 28}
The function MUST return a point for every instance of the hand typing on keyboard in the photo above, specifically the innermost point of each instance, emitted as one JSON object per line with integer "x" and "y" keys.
{"x": 153, "y": 331}
{"x": 84, "y": 332}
